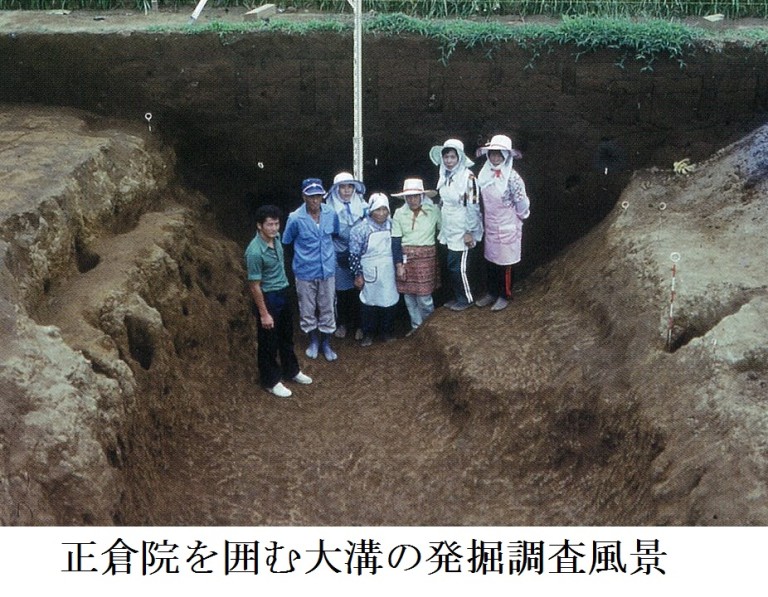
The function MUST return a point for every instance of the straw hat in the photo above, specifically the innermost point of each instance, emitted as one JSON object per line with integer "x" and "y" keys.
{"x": 436, "y": 153}
{"x": 414, "y": 186}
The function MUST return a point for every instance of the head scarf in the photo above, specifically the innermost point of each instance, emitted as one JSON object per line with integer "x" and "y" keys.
{"x": 497, "y": 175}
{"x": 378, "y": 200}
{"x": 355, "y": 207}
{"x": 464, "y": 163}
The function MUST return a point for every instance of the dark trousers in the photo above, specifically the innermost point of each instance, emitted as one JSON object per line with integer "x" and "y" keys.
{"x": 458, "y": 270}
{"x": 499, "y": 280}
{"x": 277, "y": 342}
{"x": 378, "y": 319}
{"x": 348, "y": 308}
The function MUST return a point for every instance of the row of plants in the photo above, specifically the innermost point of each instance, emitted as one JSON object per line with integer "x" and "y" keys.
{"x": 468, "y": 8}
{"x": 644, "y": 40}
{"x": 453, "y": 8}
{"x": 641, "y": 40}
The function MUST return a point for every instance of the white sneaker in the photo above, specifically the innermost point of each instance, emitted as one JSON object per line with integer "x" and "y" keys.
{"x": 359, "y": 334}
{"x": 280, "y": 391}
{"x": 302, "y": 378}
{"x": 501, "y": 303}
{"x": 341, "y": 332}
{"x": 485, "y": 301}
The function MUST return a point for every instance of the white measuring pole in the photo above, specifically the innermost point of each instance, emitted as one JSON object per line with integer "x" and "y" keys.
{"x": 357, "y": 141}
{"x": 198, "y": 9}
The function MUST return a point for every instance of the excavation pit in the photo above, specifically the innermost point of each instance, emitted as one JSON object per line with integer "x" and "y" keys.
{"x": 564, "y": 409}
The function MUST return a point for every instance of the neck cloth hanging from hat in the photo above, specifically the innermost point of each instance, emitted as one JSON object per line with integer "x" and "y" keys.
{"x": 458, "y": 174}
{"x": 496, "y": 175}
{"x": 351, "y": 211}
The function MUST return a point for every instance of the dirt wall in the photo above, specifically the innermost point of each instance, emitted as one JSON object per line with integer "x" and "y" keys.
{"x": 251, "y": 115}
{"x": 112, "y": 289}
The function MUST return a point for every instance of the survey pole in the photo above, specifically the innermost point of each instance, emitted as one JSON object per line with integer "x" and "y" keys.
{"x": 357, "y": 140}
{"x": 198, "y": 9}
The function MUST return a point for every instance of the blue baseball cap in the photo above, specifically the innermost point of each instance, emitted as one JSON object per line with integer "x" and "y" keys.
{"x": 312, "y": 186}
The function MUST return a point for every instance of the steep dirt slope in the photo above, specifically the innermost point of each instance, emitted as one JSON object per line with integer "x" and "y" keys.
{"x": 107, "y": 276}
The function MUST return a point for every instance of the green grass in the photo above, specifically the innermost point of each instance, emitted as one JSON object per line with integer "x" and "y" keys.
{"x": 460, "y": 8}
{"x": 272, "y": 26}
{"x": 613, "y": 8}
{"x": 644, "y": 41}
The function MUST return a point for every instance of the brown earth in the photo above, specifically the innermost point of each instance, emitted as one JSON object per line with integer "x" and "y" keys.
{"x": 130, "y": 389}
{"x": 130, "y": 396}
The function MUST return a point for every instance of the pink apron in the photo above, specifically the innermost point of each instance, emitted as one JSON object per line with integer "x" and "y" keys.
{"x": 503, "y": 228}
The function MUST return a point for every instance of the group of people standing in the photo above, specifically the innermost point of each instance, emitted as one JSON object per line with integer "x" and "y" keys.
{"x": 353, "y": 258}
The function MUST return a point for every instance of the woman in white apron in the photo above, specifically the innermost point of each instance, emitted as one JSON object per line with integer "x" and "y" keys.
{"x": 505, "y": 206}
{"x": 370, "y": 255}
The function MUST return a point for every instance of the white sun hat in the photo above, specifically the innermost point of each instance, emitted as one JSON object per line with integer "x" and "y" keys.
{"x": 436, "y": 153}
{"x": 346, "y": 178}
{"x": 500, "y": 143}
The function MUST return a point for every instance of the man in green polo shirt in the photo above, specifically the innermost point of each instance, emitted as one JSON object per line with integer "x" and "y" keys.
{"x": 268, "y": 284}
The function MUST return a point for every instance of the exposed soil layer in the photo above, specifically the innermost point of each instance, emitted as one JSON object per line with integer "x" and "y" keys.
{"x": 250, "y": 115}
{"x": 128, "y": 381}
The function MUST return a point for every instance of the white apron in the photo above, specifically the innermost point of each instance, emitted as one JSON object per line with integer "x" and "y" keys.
{"x": 379, "y": 289}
